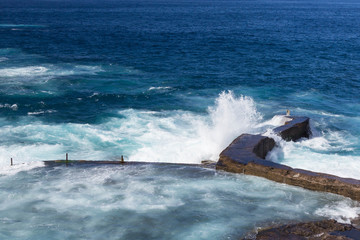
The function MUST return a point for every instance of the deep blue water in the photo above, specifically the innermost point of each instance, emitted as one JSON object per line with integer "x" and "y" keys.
{"x": 176, "y": 81}
{"x": 278, "y": 48}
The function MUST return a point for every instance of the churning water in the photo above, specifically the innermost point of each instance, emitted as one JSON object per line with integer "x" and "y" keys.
{"x": 171, "y": 82}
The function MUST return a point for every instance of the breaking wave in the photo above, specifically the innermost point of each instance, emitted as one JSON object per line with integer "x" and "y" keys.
{"x": 159, "y": 88}
{"x": 170, "y": 136}
{"x": 48, "y": 70}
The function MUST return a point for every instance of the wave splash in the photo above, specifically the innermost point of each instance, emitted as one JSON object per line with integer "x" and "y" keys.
{"x": 173, "y": 137}
{"x": 189, "y": 138}
{"x": 169, "y": 136}
{"x": 342, "y": 211}
{"x": 330, "y": 151}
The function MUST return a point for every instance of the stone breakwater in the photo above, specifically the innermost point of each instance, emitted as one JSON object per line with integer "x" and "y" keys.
{"x": 247, "y": 153}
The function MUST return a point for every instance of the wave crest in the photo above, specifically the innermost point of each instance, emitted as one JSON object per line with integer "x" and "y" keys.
{"x": 48, "y": 70}
{"x": 188, "y": 138}
{"x": 170, "y": 136}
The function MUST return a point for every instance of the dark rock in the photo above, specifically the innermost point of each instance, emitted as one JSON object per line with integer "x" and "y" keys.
{"x": 248, "y": 147}
{"x": 246, "y": 155}
{"x": 263, "y": 146}
{"x": 296, "y": 128}
{"x": 326, "y": 229}
{"x": 208, "y": 164}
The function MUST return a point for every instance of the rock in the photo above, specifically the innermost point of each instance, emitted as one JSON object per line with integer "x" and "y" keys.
{"x": 326, "y": 229}
{"x": 356, "y": 222}
{"x": 245, "y": 149}
{"x": 208, "y": 163}
{"x": 296, "y": 128}
{"x": 246, "y": 155}
{"x": 264, "y": 145}
{"x": 248, "y": 147}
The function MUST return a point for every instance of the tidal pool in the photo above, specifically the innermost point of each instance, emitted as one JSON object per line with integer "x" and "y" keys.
{"x": 152, "y": 201}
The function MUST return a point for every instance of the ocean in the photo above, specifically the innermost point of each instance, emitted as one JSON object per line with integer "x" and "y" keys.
{"x": 171, "y": 82}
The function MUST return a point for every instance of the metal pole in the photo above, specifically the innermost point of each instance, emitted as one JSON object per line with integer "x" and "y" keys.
{"x": 11, "y": 162}
{"x": 67, "y": 158}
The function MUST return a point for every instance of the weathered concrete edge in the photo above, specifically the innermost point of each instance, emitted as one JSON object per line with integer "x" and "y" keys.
{"x": 49, "y": 163}
{"x": 315, "y": 181}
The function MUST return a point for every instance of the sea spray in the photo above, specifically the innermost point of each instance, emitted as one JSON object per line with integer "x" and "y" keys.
{"x": 342, "y": 211}
{"x": 326, "y": 151}
{"x": 169, "y": 136}
{"x": 188, "y": 138}
{"x": 8, "y": 170}
{"x": 275, "y": 121}
{"x": 230, "y": 117}
{"x": 174, "y": 137}
{"x": 198, "y": 50}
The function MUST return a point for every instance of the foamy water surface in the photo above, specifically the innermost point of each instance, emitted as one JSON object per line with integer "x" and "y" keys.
{"x": 171, "y": 83}
{"x": 152, "y": 202}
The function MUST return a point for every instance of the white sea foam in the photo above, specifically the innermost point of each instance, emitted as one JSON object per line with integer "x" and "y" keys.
{"x": 47, "y": 92}
{"x": 13, "y": 107}
{"x": 189, "y": 138}
{"x": 6, "y": 169}
{"x": 116, "y": 197}
{"x": 343, "y": 166}
{"x": 3, "y": 59}
{"x": 329, "y": 114}
{"x": 176, "y": 137}
{"x": 94, "y": 94}
{"x": 276, "y": 121}
{"x": 171, "y": 136}
{"x": 22, "y": 153}
{"x": 320, "y": 153}
{"x": 48, "y": 70}
{"x": 41, "y": 112}
{"x": 341, "y": 211}
{"x": 159, "y": 88}
{"x": 23, "y": 71}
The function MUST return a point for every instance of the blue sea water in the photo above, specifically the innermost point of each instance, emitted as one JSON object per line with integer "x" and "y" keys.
{"x": 176, "y": 82}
